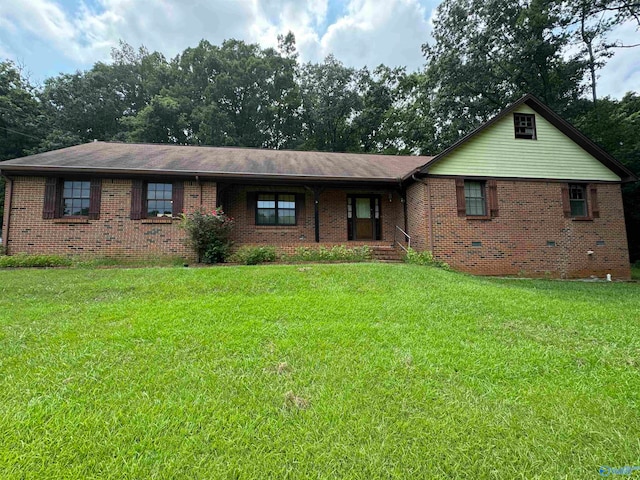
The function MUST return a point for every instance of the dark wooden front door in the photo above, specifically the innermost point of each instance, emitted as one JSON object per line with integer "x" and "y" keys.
{"x": 363, "y": 217}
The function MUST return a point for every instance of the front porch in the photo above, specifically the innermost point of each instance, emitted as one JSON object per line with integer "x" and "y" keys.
{"x": 292, "y": 216}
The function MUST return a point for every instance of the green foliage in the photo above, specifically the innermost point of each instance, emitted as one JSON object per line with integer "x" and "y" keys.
{"x": 486, "y": 54}
{"x": 338, "y": 253}
{"x": 24, "y": 260}
{"x": 254, "y": 255}
{"x": 285, "y": 372}
{"x": 209, "y": 234}
{"x": 614, "y": 124}
{"x": 424, "y": 258}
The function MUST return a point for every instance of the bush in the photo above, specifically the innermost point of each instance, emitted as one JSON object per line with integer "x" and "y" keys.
{"x": 209, "y": 234}
{"x": 25, "y": 260}
{"x": 424, "y": 258}
{"x": 254, "y": 255}
{"x": 338, "y": 253}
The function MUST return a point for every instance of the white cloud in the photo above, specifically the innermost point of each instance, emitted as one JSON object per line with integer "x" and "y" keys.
{"x": 379, "y": 31}
{"x": 358, "y": 32}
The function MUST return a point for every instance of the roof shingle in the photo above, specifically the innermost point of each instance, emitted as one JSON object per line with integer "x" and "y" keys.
{"x": 105, "y": 157}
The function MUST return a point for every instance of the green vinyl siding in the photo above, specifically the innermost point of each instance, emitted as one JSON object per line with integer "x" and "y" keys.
{"x": 495, "y": 152}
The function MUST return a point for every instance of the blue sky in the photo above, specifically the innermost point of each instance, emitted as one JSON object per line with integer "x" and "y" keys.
{"x": 53, "y": 36}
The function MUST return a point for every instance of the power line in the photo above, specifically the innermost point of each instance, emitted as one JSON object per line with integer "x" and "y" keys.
{"x": 20, "y": 133}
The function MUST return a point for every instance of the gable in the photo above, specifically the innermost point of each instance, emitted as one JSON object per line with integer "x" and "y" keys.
{"x": 495, "y": 152}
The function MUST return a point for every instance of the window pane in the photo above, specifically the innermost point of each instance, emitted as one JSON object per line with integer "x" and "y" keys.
{"x": 159, "y": 199}
{"x": 474, "y": 198}
{"x": 578, "y": 208}
{"x": 363, "y": 208}
{"x": 286, "y": 201}
{"x": 266, "y": 201}
{"x": 287, "y": 217}
{"x": 75, "y": 198}
{"x": 166, "y": 207}
{"x": 576, "y": 192}
{"x": 266, "y": 216}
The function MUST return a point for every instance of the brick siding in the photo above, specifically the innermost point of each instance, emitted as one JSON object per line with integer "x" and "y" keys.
{"x": 333, "y": 218}
{"x": 114, "y": 234}
{"x": 515, "y": 242}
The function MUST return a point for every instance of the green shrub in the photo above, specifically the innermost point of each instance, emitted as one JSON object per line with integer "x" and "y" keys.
{"x": 25, "y": 260}
{"x": 254, "y": 255}
{"x": 338, "y": 253}
{"x": 209, "y": 234}
{"x": 424, "y": 258}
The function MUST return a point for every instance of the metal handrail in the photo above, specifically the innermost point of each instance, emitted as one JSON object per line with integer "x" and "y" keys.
{"x": 407, "y": 239}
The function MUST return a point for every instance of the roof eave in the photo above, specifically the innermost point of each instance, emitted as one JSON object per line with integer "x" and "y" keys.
{"x": 49, "y": 170}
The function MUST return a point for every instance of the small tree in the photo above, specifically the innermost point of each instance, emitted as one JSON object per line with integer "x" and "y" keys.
{"x": 209, "y": 234}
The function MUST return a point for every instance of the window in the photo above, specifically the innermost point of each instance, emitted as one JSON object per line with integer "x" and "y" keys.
{"x": 525, "y": 125}
{"x": 152, "y": 199}
{"x": 475, "y": 198}
{"x": 578, "y": 200}
{"x": 76, "y": 198}
{"x": 276, "y": 209}
{"x": 159, "y": 200}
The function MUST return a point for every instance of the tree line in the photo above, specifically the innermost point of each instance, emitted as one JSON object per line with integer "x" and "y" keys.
{"x": 484, "y": 54}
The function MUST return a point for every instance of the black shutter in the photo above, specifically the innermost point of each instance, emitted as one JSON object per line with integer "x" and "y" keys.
{"x": 462, "y": 208}
{"x": 50, "y": 208}
{"x": 595, "y": 208}
{"x": 177, "y": 193}
{"x": 566, "y": 204}
{"x": 95, "y": 196}
{"x": 251, "y": 201}
{"x": 136, "y": 200}
{"x": 492, "y": 186}
{"x": 300, "y": 211}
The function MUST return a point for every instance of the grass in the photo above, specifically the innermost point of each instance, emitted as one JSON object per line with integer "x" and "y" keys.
{"x": 315, "y": 371}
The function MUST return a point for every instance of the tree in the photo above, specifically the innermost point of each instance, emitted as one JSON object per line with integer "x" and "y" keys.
{"x": 379, "y": 93}
{"x": 21, "y": 119}
{"x": 236, "y": 94}
{"x": 615, "y": 124}
{"x": 330, "y": 101}
{"x": 489, "y": 53}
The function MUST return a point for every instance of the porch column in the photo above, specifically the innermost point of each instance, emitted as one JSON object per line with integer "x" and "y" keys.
{"x": 316, "y": 212}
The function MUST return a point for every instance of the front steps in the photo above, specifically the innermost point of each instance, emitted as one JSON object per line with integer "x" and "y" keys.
{"x": 387, "y": 253}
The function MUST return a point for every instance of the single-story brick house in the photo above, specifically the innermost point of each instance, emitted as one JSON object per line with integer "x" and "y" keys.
{"x": 525, "y": 193}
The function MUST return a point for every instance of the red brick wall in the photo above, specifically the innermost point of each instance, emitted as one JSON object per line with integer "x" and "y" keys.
{"x": 417, "y": 216}
{"x": 333, "y": 218}
{"x": 113, "y": 235}
{"x": 530, "y": 215}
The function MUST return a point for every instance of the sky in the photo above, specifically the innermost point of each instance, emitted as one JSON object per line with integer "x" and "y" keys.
{"x": 49, "y": 37}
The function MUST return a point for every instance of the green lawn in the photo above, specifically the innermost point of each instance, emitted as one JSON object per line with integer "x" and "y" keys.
{"x": 315, "y": 371}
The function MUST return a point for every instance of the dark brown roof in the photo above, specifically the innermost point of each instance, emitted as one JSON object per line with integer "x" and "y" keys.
{"x": 565, "y": 127}
{"x": 179, "y": 160}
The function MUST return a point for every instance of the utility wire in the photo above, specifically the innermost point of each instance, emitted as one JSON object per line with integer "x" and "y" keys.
{"x": 20, "y": 133}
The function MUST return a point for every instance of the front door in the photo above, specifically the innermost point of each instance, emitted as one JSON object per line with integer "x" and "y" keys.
{"x": 363, "y": 217}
